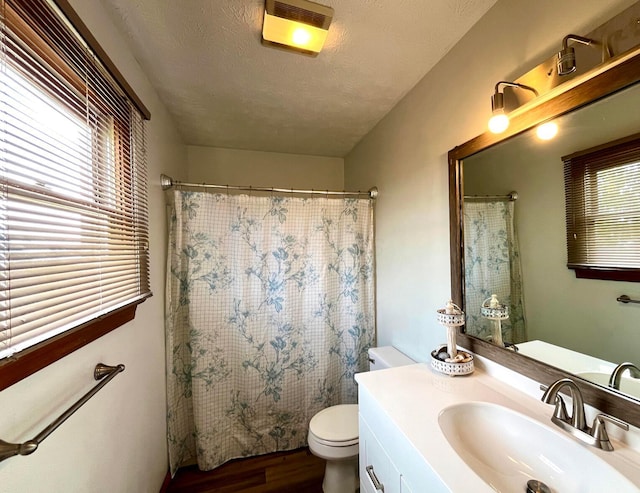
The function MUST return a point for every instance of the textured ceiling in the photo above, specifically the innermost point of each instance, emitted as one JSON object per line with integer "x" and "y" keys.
{"x": 225, "y": 89}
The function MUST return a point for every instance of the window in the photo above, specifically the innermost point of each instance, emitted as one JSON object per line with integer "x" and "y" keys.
{"x": 602, "y": 192}
{"x": 73, "y": 205}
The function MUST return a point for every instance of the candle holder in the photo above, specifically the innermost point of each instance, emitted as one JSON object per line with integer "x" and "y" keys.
{"x": 447, "y": 359}
{"x": 493, "y": 310}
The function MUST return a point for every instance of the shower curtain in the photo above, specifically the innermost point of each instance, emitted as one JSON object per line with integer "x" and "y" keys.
{"x": 492, "y": 266}
{"x": 269, "y": 314}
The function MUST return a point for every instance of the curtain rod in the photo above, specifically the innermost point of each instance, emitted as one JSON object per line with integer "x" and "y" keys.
{"x": 510, "y": 196}
{"x": 167, "y": 182}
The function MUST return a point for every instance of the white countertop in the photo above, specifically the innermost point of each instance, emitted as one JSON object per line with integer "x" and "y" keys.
{"x": 413, "y": 397}
{"x": 563, "y": 358}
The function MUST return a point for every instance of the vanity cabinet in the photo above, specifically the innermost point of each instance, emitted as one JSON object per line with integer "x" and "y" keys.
{"x": 387, "y": 458}
{"x": 377, "y": 470}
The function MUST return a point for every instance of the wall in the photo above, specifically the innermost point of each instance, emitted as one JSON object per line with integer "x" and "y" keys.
{"x": 405, "y": 155}
{"x": 586, "y": 310}
{"x": 116, "y": 442}
{"x": 264, "y": 169}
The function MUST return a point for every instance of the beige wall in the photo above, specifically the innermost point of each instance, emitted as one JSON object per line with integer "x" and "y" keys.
{"x": 117, "y": 441}
{"x": 406, "y": 155}
{"x": 264, "y": 169}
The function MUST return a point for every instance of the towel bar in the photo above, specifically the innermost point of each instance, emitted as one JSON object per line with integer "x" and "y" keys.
{"x": 625, "y": 299}
{"x": 101, "y": 372}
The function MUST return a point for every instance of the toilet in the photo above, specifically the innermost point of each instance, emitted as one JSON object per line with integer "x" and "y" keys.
{"x": 333, "y": 432}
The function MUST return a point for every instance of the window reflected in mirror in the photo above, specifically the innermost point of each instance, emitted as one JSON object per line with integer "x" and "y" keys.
{"x": 602, "y": 192}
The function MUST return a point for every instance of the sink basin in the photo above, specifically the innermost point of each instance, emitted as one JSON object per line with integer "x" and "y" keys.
{"x": 630, "y": 386}
{"x": 507, "y": 449}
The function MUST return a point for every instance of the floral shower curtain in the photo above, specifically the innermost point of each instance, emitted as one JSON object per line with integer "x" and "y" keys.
{"x": 492, "y": 266}
{"x": 270, "y": 313}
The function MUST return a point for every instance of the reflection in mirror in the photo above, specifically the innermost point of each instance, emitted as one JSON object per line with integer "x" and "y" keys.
{"x": 518, "y": 250}
{"x": 492, "y": 265}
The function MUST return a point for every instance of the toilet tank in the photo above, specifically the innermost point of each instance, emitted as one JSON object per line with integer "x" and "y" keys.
{"x": 387, "y": 357}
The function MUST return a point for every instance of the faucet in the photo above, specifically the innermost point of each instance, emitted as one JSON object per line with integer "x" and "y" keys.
{"x": 512, "y": 346}
{"x": 551, "y": 396}
{"x": 614, "y": 381}
{"x": 596, "y": 435}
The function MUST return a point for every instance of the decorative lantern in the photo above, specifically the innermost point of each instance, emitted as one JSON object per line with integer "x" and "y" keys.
{"x": 492, "y": 309}
{"x": 447, "y": 359}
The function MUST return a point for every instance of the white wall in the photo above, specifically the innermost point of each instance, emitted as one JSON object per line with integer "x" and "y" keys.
{"x": 116, "y": 442}
{"x": 264, "y": 169}
{"x": 405, "y": 155}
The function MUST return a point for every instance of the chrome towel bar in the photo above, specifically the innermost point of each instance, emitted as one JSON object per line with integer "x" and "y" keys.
{"x": 625, "y": 299}
{"x": 102, "y": 372}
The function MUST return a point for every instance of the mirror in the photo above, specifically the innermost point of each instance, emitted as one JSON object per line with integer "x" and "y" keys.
{"x": 568, "y": 326}
{"x": 550, "y": 310}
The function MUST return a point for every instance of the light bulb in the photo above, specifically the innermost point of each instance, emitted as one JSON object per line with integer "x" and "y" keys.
{"x": 499, "y": 122}
{"x": 301, "y": 36}
{"x": 547, "y": 131}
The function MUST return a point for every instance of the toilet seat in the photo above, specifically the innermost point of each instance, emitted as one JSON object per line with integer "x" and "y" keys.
{"x": 336, "y": 426}
{"x": 332, "y": 443}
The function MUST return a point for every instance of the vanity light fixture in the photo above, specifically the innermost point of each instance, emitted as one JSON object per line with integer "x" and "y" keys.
{"x": 499, "y": 120}
{"x": 567, "y": 55}
{"x": 296, "y": 25}
{"x": 547, "y": 131}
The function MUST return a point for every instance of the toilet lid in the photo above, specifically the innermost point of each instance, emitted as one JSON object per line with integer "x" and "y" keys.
{"x": 336, "y": 423}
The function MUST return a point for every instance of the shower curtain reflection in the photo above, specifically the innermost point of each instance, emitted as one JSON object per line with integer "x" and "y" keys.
{"x": 492, "y": 266}
{"x": 269, "y": 315}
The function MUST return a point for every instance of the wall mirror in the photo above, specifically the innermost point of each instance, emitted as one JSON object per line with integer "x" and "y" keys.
{"x": 566, "y": 326}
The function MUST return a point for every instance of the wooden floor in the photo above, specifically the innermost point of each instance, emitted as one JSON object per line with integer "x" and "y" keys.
{"x": 297, "y": 471}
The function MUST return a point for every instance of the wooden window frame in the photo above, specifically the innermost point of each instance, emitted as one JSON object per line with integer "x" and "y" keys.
{"x": 24, "y": 363}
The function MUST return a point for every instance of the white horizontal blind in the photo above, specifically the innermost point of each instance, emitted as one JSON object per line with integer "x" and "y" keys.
{"x": 602, "y": 191}
{"x": 73, "y": 206}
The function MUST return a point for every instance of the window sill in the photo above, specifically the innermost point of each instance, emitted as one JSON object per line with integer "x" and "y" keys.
{"x": 629, "y": 275}
{"x": 27, "y": 362}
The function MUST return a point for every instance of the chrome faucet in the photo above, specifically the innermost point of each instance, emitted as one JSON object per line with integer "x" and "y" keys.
{"x": 616, "y": 376}
{"x": 575, "y": 424}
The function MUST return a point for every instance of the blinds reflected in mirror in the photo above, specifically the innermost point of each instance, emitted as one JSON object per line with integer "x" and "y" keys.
{"x": 602, "y": 194}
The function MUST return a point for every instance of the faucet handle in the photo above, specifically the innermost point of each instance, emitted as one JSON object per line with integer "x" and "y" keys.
{"x": 599, "y": 430}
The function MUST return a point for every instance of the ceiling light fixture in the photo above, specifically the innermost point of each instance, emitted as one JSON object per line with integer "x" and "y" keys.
{"x": 499, "y": 120}
{"x": 296, "y": 25}
{"x": 567, "y": 55}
